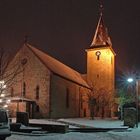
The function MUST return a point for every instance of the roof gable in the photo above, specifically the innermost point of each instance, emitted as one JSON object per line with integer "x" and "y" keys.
{"x": 101, "y": 36}
{"x": 58, "y": 68}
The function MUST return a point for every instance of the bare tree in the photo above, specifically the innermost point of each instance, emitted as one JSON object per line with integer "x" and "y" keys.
{"x": 99, "y": 99}
{"x": 7, "y": 76}
{"x": 104, "y": 101}
{"x": 91, "y": 100}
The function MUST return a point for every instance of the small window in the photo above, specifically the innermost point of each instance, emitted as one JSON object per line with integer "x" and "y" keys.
{"x": 85, "y": 112}
{"x": 81, "y": 101}
{"x": 37, "y": 108}
{"x": 67, "y": 98}
{"x": 24, "y": 89}
{"x": 97, "y": 75}
{"x": 37, "y": 92}
{"x": 98, "y": 53}
{"x": 98, "y": 57}
{"x": 12, "y": 92}
{"x": 24, "y": 61}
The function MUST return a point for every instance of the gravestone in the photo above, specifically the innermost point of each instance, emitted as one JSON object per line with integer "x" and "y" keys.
{"x": 130, "y": 116}
{"x": 22, "y": 117}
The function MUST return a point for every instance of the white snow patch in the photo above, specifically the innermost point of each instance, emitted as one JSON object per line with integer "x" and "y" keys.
{"x": 108, "y": 123}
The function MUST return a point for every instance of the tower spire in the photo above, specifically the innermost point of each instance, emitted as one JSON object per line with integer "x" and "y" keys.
{"x": 26, "y": 39}
{"x": 101, "y": 36}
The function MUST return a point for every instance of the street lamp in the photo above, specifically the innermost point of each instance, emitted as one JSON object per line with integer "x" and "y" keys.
{"x": 130, "y": 80}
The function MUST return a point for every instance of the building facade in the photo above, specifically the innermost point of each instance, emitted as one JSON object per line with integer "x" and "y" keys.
{"x": 101, "y": 70}
{"x": 46, "y": 88}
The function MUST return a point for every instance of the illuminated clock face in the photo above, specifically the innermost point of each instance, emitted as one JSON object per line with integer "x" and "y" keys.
{"x": 98, "y": 53}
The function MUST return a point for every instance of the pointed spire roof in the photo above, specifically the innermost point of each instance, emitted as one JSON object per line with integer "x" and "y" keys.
{"x": 101, "y": 37}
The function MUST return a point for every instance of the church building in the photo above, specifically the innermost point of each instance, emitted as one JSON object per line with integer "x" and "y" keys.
{"x": 47, "y": 88}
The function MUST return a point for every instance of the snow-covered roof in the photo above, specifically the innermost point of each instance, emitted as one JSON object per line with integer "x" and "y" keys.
{"x": 20, "y": 99}
{"x": 58, "y": 68}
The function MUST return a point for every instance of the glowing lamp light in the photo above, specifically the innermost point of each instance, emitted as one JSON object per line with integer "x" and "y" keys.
{"x": 5, "y": 106}
{"x": 130, "y": 80}
{"x": 8, "y": 101}
{"x": 0, "y": 100}
{"x": 1, "y": 82}
{"x": 2, "y": 95}
{"x": 4, "y": 86}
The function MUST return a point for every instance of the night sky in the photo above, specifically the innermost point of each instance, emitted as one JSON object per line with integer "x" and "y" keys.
{"x": 65, "y": 28}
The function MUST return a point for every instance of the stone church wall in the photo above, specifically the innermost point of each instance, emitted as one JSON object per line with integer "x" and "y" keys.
{"x": 59, "y": 98}
{"x": 34, "y": 74}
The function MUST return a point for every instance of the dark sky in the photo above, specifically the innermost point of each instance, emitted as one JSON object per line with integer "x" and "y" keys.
{"x": 65, "y": 28}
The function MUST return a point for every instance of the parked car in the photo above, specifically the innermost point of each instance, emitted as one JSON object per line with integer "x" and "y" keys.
{"x": 4, "y": 125}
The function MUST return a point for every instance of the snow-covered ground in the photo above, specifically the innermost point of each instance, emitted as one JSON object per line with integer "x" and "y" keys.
{"x": 39, "y": 121}
{"x": 134, "y": 134}
{"x": 106, "y": 123}
{"x": 68, "y": 136}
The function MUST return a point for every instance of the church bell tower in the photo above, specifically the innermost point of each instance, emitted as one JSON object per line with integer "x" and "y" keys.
{"x": 100, "y": 69}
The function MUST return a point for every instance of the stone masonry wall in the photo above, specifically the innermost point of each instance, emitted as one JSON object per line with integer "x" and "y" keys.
{"x": 34, "y": 74}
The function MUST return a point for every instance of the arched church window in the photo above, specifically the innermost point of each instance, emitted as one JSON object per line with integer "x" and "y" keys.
{"x": 67, "y": 98}
{"x": 37, "y": 92}
{"x": 12, "y": 91}
{"x": 24, "y": 89}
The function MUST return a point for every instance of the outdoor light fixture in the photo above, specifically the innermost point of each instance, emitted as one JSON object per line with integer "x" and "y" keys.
{"x": 130, "y": 80}
{"x": 5, "y": 106}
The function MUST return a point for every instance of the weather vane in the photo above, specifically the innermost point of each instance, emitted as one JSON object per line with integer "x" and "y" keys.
{"x": 101, "y": 8}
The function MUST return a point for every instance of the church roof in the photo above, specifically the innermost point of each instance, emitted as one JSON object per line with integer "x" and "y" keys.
{"x": 101, "y": 37}
{"x": 59, "y": 68}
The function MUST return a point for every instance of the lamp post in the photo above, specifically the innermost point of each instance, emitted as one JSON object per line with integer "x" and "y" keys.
{"x": 137, "y": 103}
{"x": 130, "y": 80}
